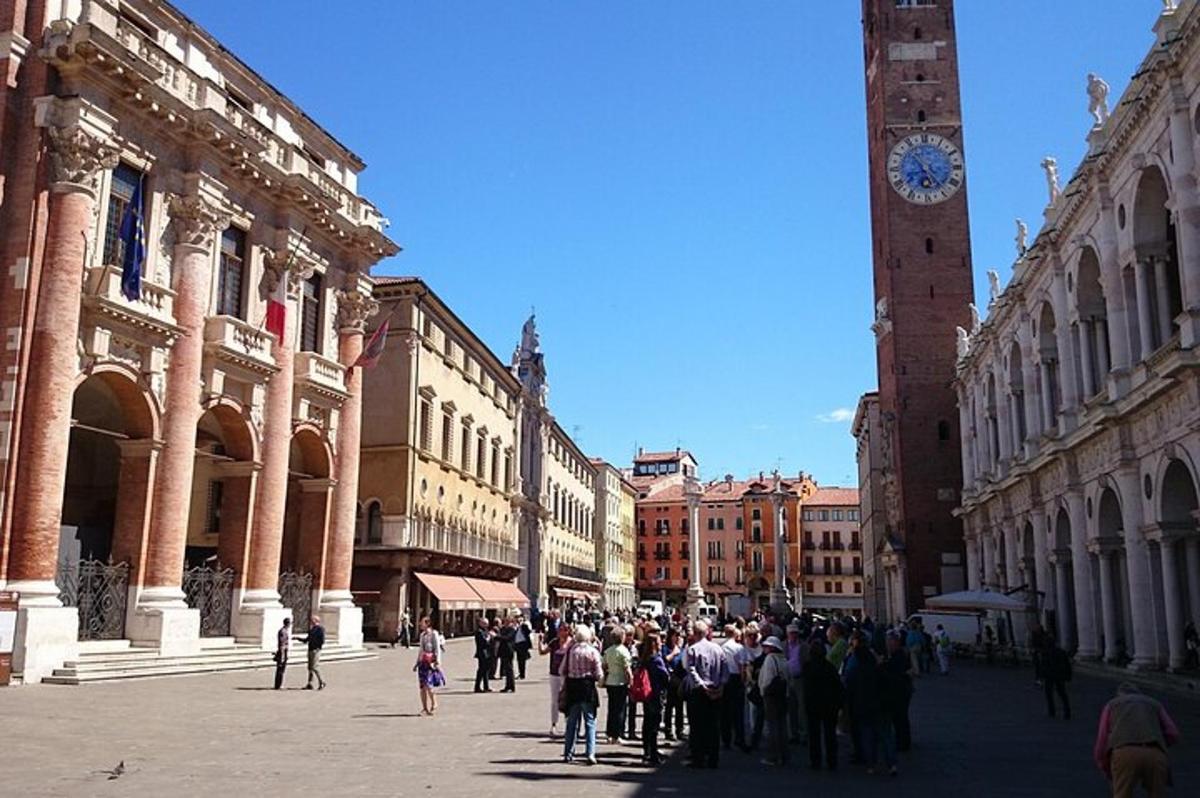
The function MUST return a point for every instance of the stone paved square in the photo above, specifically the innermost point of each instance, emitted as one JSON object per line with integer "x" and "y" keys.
{"x": 980, "y": 732}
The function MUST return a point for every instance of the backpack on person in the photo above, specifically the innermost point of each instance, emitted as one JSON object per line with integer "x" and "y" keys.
{"x": 640, "y": 688}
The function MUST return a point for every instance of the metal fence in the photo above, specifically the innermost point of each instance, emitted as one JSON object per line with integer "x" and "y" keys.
{"x": 210, "y": 590}
{"x": 295, "y": 593}
{"x": 100, "y": 591}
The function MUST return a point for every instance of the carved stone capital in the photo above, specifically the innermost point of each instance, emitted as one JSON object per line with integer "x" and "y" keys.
{"x": 354, "y": 308}
{"x": 197, "y": 219}
{"x": 77, "y": 157}
{"x": 286, "y": 263}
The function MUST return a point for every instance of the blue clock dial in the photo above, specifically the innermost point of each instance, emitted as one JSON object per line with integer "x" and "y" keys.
{"x": 925, "y": 168}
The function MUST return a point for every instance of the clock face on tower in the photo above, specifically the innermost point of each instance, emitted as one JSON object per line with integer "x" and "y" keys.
{"x": 925, "y": 168}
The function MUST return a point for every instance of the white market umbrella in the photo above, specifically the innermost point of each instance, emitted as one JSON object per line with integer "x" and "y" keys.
{"x": 976, "y": 600}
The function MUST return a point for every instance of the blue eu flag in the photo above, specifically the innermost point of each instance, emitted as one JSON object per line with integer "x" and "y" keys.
{"x": 133, "y": 236}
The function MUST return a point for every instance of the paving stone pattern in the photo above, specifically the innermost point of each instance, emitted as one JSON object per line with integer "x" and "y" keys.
{"x": 979, "y": 732}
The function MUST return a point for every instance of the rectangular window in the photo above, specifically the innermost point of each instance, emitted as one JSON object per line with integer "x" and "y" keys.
{"x": 495, "y": 474}
{"x": 720, "y": 523}
{"x": 858, "y": 587}
{"x": 808, "y": 565}
{"x": 426, "y": 425}
{"x": 642, "y": 574}
{"x": 824, "y": 515}
{"x": 685, "y": 573}
{"x": 808, "y": 587}
{"x": 808, "y": 515}
{"x": 232, "y": 270}
{"x": 756, "y": 514}
{"x": 465, "y": 463}
{"x": 447, "y": 435}
{"x": 481, "y": 456}
{"x": 124, "y": 181}
{"x": 712, "y": 523}
{"x": 837, "y": 515}
{"x": 837, "y": 565}
{"x": 738, "y": 523}
{"x": 829, "y": 587}
{"x": 837, "y": 587}
{"x": 310, "y": 315}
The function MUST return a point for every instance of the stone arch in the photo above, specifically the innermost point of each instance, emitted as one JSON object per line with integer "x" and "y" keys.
{"x": 222, "y": 487}
{"x": 1110, "y": 525}
{"x": 106, "y": 493}
{"x": 1177, "y": 498}
{"x": 1016, "y": 392}
{"x": 1091, "y": 327}
{"x": 1157, "y": 251}
{"x": 1048, "y": 357}
{"x": 225, "y": 419}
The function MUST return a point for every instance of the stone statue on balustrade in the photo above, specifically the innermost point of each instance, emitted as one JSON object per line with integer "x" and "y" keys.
{"x": 963, "y": 343}
{"x": 1022, "y": 238}
{"x": 1097, "y": 91}
{"x": 1050, "y": 165}
{"x": 993, "y": 277}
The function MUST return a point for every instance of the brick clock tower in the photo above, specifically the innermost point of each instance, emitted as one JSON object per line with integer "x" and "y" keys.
{"x": 923, "y": 285}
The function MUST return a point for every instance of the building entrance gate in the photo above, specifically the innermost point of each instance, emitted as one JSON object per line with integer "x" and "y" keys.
{"x": 210, "y": 590}
{"x": 99, "y": 590}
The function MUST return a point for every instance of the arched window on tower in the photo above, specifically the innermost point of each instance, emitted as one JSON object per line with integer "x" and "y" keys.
{"x": 929, "y": 246}
{"x": 917, "y": 34}
{"x": 920, "y": 116}
{"x": 374, "y": 523}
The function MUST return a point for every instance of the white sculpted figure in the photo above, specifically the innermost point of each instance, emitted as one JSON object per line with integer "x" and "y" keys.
{"x": 964, "y": 342}
{"x": 529, "y": 336}
{"x": 1168, "y": 5}
{"x": 975, "y": 321}
{"x": 1022, "y": 238}
{"x": 881, "y": 309}
{"x": 1050, "y": 164}
{"x": 993, "y": 285}
{"x": 1097, "y": 91}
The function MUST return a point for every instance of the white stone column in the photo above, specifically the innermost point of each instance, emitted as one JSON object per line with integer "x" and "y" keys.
{"x": 1145, "y": 316}
{"x": 1012, "y": 576}
{"x": 1062, "y": 601}
{"x": 989, "y": 559}
{"x": 1100, "y": 331}
{"x": 1067, "y": 356}
{"x": 972, "y": 562}
{"x": 1192, "y": 558}
{"x": 1116, "y": 313}
{"x": 1033, "y": 422}
{"x": 1172, "y": 599}
{"x": 964, "y": 426}
{"x": 1003, "y": 432}
{"x": 1085, "y": 610}
{"x": 1137, "y": 565}
{"x": 1048, "y": 416}
{"x": 1041, "y": 554}
{"x": 695, "y": 592}
{"x": 1187, "y": 206}
{"x": 1108, "y": 609}
{"x": 1087, "y": 358}
{"x": 1163, "y": 295}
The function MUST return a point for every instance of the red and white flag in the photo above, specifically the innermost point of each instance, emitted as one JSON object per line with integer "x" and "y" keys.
{"x": 374, "y": 348}
{"x": 277, "y": 307}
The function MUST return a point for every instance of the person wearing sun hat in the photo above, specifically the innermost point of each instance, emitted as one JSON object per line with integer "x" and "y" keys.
{"x": 773, "y": 686}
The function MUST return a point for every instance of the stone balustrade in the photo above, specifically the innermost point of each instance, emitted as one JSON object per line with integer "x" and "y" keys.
{"x": 450, "y": 541}
{"x": 320, "y": 373}
{"x": 155, "y": 306}
{"x": 235, "y": 341}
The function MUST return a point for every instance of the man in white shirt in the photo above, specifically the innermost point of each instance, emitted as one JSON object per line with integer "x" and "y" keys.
{"x": 733, "y": 700}
{"x": 751, "y": 651}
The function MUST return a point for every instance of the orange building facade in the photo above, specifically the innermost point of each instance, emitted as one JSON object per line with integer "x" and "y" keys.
{"x": 832, "y": 552}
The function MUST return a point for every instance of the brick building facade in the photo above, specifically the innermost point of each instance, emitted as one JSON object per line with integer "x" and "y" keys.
{"x": 922, "y": 281}
{"x": 170, "y": 469}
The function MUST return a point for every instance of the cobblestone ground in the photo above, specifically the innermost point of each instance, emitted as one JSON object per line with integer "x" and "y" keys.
{"x": 979, "y": 732}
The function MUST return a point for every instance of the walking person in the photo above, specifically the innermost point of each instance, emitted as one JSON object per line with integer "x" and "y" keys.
{"x": 583, "y": 671}
{"x": 522, "y": 645}
{"x": 1056, "y": 672}
{"x": 556, "y": 649}
{"x": 1131, "y": 743}
{"x": 797, "y": 653}
{"x": 506, "y": 650}
{"x": 650, "y": 660}
{"x": 283, "y": 642}
{"x": 631, "y": 707}
{"x": 824, "y": 696}
{"x": 617, "y": 670}
{"x": 483, "y": 656}
{"x": 428, "y": 666}
{"x": 941, "y": 641}
{"x": 773, "y": 686}
{"x": 914, "y": 640}
{"x": 315, "y": 639}
{"x": 704, "y": 663}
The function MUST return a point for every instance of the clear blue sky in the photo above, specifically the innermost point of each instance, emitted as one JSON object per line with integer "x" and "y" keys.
{"x": 679, "y": 187}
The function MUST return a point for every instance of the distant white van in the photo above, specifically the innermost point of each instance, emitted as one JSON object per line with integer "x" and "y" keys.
{"x": 651, "y": 608}
{"x": 708, "y": 611}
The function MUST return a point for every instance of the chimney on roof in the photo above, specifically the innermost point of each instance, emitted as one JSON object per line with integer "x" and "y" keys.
{"x": 640, "y": 451}
{"x": 677, "y": 451}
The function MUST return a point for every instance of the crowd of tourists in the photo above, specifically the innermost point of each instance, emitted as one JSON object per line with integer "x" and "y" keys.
{"x": 766, "y": 684}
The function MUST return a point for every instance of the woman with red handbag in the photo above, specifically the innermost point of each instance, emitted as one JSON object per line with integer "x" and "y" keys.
{"x": 429, "y": 665}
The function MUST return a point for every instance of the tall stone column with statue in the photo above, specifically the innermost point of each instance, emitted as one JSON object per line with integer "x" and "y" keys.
{"x": 338, "y": 613}
{"x": 780, "y": 601}
{"x": 79, "y": 139}
{"x": 692, "y": 492}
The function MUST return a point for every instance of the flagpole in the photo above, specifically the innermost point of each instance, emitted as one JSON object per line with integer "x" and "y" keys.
{"x": 286, "y": 266}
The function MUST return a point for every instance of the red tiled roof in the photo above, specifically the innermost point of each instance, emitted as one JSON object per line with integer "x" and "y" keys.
{"x": 834, "y": 495}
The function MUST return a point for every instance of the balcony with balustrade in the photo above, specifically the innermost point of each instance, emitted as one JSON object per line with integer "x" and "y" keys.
{"x": 234, "y": 343}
